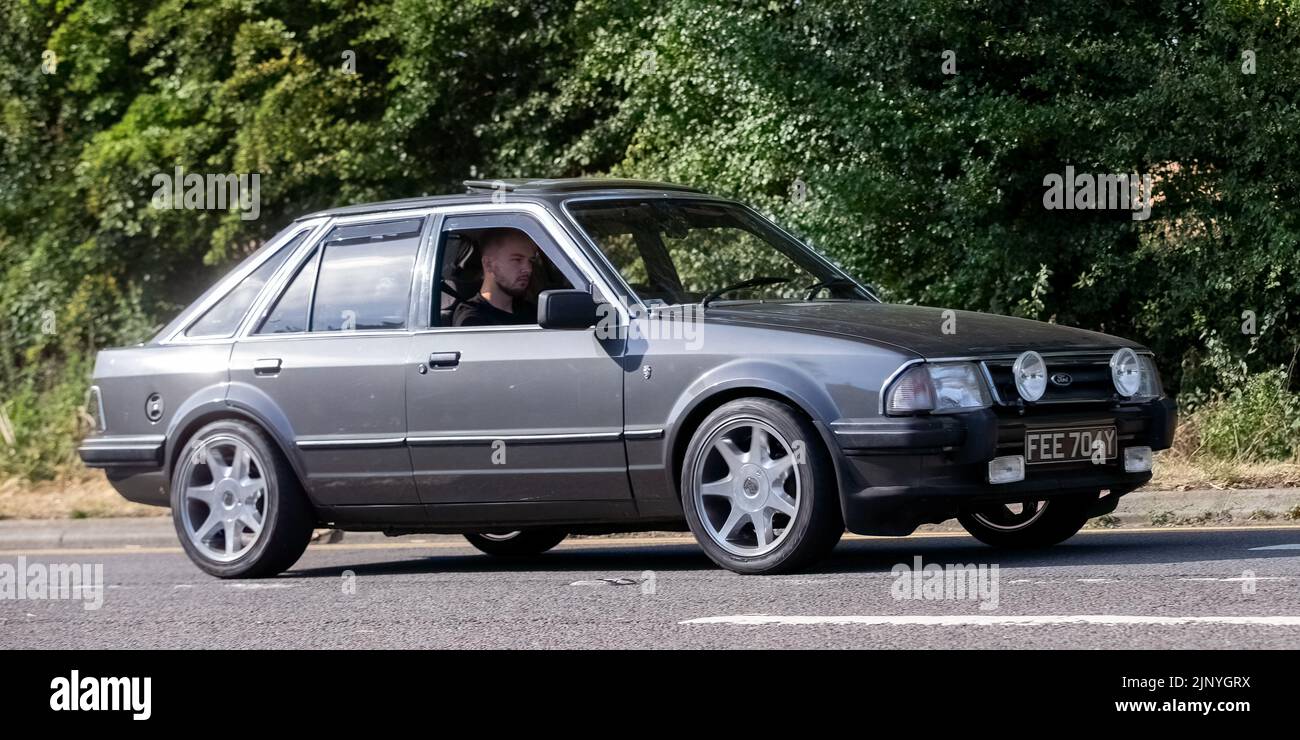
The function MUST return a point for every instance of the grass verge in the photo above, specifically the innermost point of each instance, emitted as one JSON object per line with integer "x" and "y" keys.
{"x": 81, "y": 495}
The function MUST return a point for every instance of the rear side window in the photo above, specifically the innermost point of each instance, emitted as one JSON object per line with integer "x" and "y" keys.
{"x": 365, "y": 276}
{"x": 223, "y": 319}
{"x": 359, "y": 278}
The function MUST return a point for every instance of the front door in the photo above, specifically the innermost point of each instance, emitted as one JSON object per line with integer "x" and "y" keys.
{"x": 512, "y": 412}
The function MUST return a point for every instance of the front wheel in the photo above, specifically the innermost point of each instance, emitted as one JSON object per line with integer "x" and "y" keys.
{"x": 518, "y": 543}
{"x": 1026, "y": 525}
{"x": 759, "y": 489}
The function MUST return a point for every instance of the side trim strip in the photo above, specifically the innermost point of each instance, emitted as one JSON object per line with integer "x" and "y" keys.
{"x": 123, "y": 440}
{"x": 478, "y": 439}
{"x": 643, "y": 433}
{"x": 460, "y": 439}
{"x": 329, "y": 444}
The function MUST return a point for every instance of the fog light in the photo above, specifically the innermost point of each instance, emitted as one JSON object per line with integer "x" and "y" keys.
{"x": 1137, "y": 459}
{"x": 1007, "y": 469}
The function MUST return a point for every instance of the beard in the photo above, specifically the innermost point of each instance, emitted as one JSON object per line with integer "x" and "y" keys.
{"x": 515, "y": 291}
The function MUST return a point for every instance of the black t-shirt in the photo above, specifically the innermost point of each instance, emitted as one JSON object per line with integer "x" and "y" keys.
{"x": 478, "y": 312}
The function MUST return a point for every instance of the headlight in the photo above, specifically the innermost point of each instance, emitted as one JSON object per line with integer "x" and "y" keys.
{"x": 1135, "y": 376}
{"x": 939, "y": 388}
{"x": 1126, "y": 371}
{"x": 1030, "y": 374}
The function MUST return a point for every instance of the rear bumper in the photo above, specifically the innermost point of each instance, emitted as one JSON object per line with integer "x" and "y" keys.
{"x": 113, "y": 451}
{"x": 133, "y": 466}
{"x": 896, "y": 474}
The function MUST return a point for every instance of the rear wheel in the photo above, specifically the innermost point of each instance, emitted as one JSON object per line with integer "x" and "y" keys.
{"x": 237, "y": 505}
{"x": 759, "y": 489}
{"x": 1028, "y": 524}
{"x": 520, "y": 543}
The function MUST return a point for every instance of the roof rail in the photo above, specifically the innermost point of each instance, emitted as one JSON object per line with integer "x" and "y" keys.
{"x": 569, "y": 185}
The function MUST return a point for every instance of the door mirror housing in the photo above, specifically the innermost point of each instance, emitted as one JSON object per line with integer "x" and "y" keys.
{"x": 566, "y": 309}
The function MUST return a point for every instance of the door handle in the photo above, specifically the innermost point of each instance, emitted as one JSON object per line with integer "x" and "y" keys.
{"x": 267, "y": 366}
{"x": 444, "y": 359}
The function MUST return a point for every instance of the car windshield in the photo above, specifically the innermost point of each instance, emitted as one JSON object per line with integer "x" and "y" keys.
{"x": 673, "y": 251}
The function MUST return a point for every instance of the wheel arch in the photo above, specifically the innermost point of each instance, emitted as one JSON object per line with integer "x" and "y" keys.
{"x": 815, "y": 406}
{"x": 260, "y": 412}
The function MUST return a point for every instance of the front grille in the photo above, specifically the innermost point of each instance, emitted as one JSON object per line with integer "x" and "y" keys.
{"x": 1089, "y": 376}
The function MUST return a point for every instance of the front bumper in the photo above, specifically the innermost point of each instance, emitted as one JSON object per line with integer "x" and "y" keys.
{"x": 898, "y": 473}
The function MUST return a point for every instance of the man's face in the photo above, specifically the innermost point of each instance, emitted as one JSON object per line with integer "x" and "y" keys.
{"x": 510, "y": 263}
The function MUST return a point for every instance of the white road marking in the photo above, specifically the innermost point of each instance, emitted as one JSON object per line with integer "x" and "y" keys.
{"x": 1290, "y": 546}
{"x": 1240, "y": 579}
{"x": 609, "y": 582}
{"x": 985, "y": 620}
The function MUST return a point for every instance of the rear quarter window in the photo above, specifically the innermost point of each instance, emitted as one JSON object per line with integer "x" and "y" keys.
{"x": 224, "y": 317}
{"x": 289, "y": 315}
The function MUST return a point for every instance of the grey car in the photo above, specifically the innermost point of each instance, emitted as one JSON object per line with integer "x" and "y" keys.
{"x": 641, "y": 356}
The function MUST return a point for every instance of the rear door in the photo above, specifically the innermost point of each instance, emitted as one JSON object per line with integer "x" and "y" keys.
{"x": 329, "y": 354}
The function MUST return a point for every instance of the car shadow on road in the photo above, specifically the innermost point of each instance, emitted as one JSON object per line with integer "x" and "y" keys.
{"x": 1110, "y": 549}
{"x": 585, "y": 559}
{"x": 851, "y": 556}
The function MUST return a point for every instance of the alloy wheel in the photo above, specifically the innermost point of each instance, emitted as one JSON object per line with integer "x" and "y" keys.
{"x": 748, "y": 486}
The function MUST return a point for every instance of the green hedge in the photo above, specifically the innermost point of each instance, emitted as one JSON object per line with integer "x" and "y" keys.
{"x": 837, "y": 118}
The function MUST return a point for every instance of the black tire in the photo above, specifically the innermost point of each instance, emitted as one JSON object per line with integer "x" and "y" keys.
{"x": 818, "y": 523}
{"x": 1059, "y": 520}
{"x": 520, "y": 544}
{"x": 287, "y": 519}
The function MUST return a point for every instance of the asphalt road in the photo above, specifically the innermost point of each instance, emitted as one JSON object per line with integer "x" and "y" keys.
{"x": 1180, "y": 588}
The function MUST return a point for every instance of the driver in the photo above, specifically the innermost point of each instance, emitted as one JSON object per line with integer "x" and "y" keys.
{"x": 507, "y": 256}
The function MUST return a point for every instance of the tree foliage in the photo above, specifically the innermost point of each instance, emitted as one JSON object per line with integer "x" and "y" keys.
{"x": 839, "y": 119}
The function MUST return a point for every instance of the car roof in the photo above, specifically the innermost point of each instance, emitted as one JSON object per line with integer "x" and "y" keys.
{"x": 480, "y": 191}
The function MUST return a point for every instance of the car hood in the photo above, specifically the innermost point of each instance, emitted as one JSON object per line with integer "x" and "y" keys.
{"x": 919, "y": 329}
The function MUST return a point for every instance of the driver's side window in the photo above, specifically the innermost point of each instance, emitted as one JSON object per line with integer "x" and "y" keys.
{"x": 491, "y": 270}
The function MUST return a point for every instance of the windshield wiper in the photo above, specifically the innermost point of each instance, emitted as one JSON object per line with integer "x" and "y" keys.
{"x": 832, "y": 282}
{"x": 750, "y": 283}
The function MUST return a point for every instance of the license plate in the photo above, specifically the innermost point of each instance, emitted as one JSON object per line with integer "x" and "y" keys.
{"x": 1069, "y": 445}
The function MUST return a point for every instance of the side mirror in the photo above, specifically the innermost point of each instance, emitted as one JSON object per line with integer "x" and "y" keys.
{"x": 566, "y": 309}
